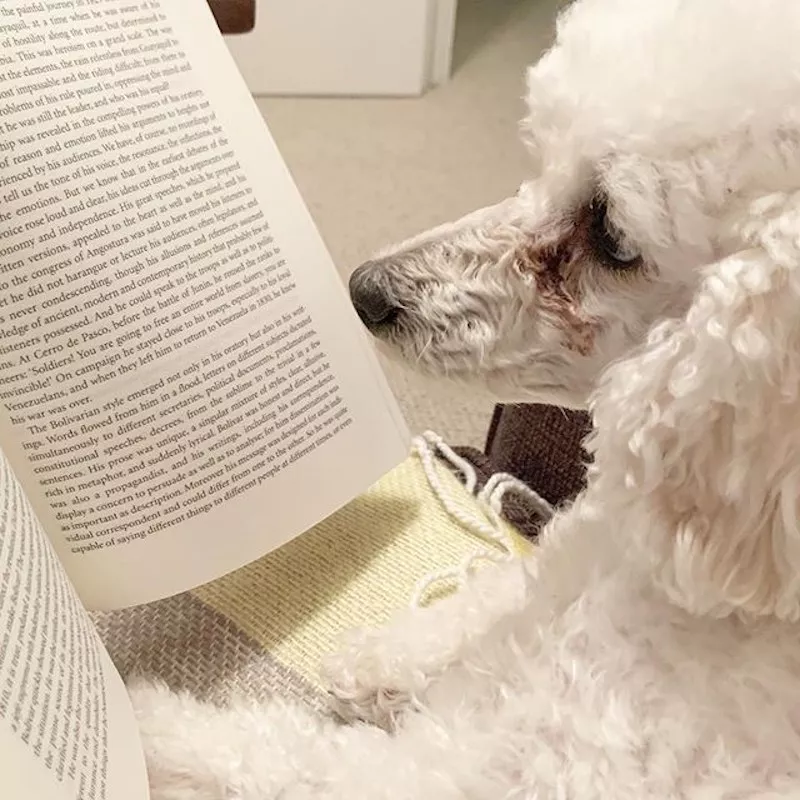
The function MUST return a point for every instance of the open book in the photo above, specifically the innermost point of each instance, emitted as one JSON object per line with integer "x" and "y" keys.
{"x": 183, "y": 384}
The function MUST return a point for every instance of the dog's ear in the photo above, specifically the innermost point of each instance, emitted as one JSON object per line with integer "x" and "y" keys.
{"x": 698, "y": 435}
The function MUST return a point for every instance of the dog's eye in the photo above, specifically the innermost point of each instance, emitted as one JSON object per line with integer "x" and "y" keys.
{"x": 610, "y": 243}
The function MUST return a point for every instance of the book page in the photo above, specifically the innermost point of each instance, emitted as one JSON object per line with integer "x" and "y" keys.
{"x": 183, "y": 383}
{"x": 67, "y": 730}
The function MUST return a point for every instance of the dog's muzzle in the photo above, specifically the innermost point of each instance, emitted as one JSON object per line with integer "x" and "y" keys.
{"x": 372, "y": 298}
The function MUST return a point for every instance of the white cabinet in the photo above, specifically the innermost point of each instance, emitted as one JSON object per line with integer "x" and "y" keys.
{"x": 346, "y": 47}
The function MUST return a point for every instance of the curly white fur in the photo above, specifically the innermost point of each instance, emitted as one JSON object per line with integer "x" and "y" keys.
{"x": 651, "y": 648}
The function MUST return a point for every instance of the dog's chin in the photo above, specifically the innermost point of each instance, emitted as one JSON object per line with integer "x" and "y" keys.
{"x": 465, "y": 371}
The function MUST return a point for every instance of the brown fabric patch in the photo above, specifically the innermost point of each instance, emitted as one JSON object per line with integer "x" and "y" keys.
{"x": 191, "y": 647}
{"x": 543, "y": 447}
{"x": 517, "y": 509}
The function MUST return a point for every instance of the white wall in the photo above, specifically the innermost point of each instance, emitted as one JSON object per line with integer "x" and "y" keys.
{"x": 344, "y": 47}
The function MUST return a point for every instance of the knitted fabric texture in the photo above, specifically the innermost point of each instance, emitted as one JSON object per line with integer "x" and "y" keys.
{"x": 263, "y": 629}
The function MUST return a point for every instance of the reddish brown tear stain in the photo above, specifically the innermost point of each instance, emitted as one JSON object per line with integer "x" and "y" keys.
{"x": 555, "y": 259}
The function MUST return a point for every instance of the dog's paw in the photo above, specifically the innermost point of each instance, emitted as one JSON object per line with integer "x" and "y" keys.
{"x": 368, "y": 682}
{"x": 381, "y": 707}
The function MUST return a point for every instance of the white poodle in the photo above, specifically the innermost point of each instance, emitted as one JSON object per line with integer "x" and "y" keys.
{"x": 651, "y": 648}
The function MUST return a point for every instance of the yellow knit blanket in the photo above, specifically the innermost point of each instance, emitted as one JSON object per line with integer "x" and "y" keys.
{"x": 264, "y": 628}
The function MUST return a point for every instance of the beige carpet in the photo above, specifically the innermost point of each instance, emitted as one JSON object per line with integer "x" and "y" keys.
{"x": 377, "y": 171}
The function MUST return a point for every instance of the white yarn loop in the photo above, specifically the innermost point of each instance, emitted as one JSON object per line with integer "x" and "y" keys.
{"x": 489, "y": 528}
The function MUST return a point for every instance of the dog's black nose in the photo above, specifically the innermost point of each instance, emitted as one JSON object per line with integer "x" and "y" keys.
{"x": 372, "y": 302}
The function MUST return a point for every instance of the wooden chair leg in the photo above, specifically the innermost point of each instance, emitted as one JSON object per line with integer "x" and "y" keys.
{"x": 234, "y": 16}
